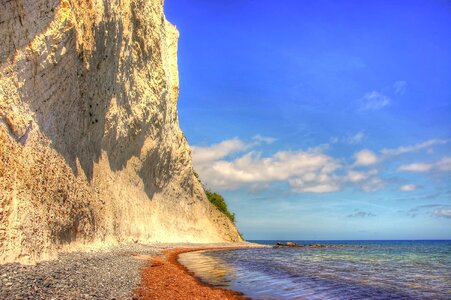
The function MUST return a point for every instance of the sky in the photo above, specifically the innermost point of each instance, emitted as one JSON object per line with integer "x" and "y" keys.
{"x": 320, "y": 120}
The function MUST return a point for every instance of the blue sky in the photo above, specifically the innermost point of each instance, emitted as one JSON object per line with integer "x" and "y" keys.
{"x": 321, "y": 119}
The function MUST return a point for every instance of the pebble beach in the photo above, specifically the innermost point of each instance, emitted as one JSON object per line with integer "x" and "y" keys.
{"x": 113, "y": 273}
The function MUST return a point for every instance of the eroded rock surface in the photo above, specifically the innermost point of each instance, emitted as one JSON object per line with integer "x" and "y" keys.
{"x": 91, "y": 152}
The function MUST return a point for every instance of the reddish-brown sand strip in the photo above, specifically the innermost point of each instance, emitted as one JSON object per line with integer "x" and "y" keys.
{"x": 166, "y": 278}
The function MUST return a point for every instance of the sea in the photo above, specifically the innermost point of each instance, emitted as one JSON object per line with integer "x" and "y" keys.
{"x": 341, "y": 270}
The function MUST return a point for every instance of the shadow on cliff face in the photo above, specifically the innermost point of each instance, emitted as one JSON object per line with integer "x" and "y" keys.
{"x": 71, "y": 100}
{"x": 81, "y": 222}
{"x": 18, "y": 25}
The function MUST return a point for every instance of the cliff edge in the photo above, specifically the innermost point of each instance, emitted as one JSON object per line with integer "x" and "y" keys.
{"x": 91, "y": 152}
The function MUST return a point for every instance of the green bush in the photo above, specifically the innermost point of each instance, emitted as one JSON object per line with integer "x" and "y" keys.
{"x": 218, "y": 201}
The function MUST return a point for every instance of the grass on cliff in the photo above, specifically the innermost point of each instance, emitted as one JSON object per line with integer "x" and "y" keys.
{"x": 218, "y": 201}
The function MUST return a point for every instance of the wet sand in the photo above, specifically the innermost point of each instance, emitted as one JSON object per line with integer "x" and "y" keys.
{"x": 166, "y": 278}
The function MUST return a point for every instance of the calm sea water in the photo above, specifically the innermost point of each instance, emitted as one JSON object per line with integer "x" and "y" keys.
{"x": 354, "y": 270}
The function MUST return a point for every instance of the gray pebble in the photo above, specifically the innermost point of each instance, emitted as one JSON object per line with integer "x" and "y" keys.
{"x": 109, "y": 274}
{"x": 78, "y": 275}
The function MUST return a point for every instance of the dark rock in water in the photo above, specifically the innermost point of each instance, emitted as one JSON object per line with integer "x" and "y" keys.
{"x": 317, "y": 246}
{"x": 287, "y": 244}
{"x": 293, "y": 244}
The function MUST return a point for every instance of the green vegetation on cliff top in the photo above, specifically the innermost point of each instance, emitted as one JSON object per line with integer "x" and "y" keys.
{"x": 218, "y": 201}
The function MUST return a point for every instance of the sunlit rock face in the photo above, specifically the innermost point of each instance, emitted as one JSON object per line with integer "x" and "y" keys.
{"x": 91, "y": 152}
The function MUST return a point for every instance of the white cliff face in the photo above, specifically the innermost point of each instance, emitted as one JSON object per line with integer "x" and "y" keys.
{"x": 91, "y": 151}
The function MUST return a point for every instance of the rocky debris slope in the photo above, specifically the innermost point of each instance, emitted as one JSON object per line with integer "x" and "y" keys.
{"x": 91, "y": 152}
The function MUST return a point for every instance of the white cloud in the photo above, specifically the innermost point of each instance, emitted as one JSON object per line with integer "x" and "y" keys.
{"x": 356, "y": 176}
{"x": 208, "y": 154}
{"x": 399, "y": 87}
{"x": 365, "y": 158}
{"x": 316, "y": 183}
{"x": 374, "y": 101}
{"x": 309, "y": 171}
{"x": 413, "y": 148}
{"x": 420, "y": 167}
{"x": 367, "y": 181}
{"x": 233, "y": 163}
{"x": 434, "y": 210}
{"x": 442, "y": 212}
{"x": 408, "y": 188}
{"x": 304, "y": 170}
{"x": 373, "y": 184}
{"x": 377, "y": 100}
{"x": 357, "y": 138}
{"x": 334, "y": 140}
{"x": 351, "y": 139}
{"x": 263, "y": 139}
{"x": 353, "y": 176}
{"x": 321, "y": 188}
{"x": 443, "y": 165}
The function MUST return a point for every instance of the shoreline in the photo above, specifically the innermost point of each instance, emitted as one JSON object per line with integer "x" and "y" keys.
{"x": 108, "y": 273}
{"x": 166, "y": 278}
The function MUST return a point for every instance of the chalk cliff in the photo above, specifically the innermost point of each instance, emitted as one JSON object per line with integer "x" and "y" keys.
{"x": 91, "y": 152}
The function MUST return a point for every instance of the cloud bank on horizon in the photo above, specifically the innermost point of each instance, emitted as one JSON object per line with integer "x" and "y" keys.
{"x": 233, "y": 164}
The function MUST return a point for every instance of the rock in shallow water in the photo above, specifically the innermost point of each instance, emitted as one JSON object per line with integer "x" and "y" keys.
{"x": 287, "y": 244}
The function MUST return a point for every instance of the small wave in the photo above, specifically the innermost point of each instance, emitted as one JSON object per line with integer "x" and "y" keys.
{"x": 360, "y": 271}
